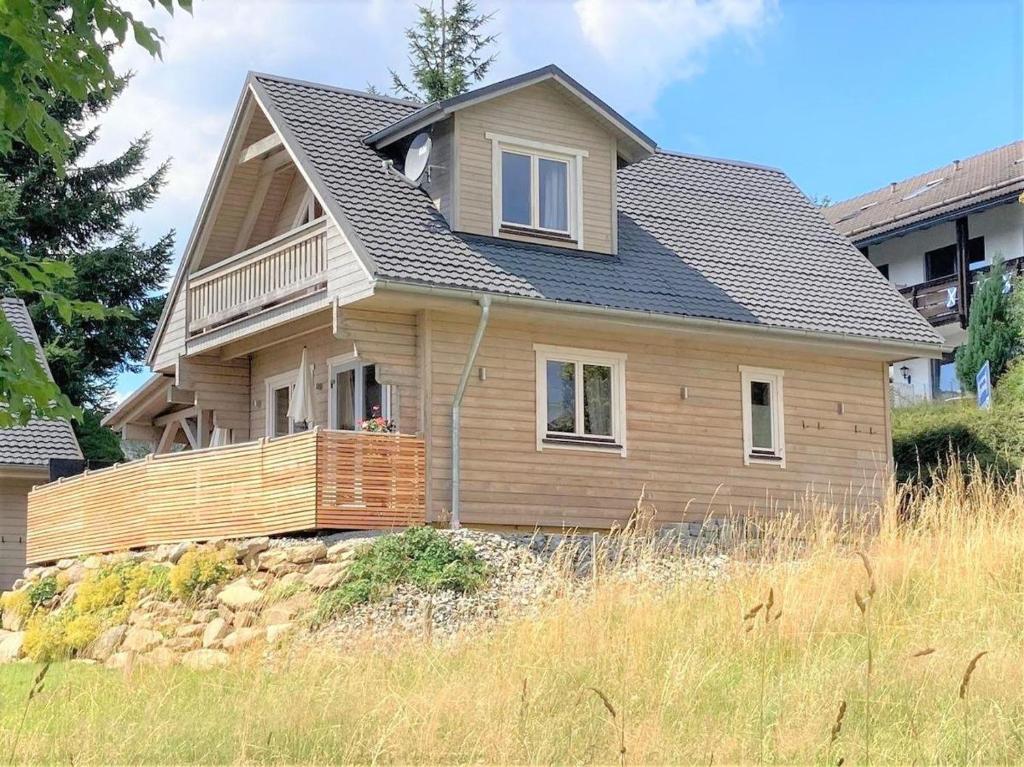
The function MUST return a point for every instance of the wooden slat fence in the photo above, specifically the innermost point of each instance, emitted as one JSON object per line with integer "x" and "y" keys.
{"x": 318, "y": 479}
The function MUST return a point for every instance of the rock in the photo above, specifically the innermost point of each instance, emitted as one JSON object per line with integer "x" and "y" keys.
{"x": 225, "y": 612}
{"x": 240, "y": 638}
{"x": 75, "y": 573}
{"x": 248, "y": 551}
{"x": 278, "y": 631}
{"x": 183, "y": 644}
{"x": 239, "y": 595}
{"x": 261, "y": 579}
{"x": 161, "y": 657}
{"x": 10, "y": 646}
{"x": 204, "y": 616}
{"x": 103, "y": 646}
{"x": 271, "y": 558}
{"x": 141, "y": 640}
{"x": 346, "y": 549}
{"x": 201, "y": 660}
{"x": 18, "y": 584}
{"x": 326, "y": 576}
{"x": 189, "y": 630}
{"x": 215, "y": 631}
{"x": 12, "y": 621}
{"x": 289, "y": 578}
{"x": 244, "y": 618}
{"x": 287, "y": 568}
{"x": 93, "y": 562}
{"x": 123, "y": 660}
{"x": 178, "y": 551}
{"x": 310, "y": 552}
{"x": 64, "y": 564}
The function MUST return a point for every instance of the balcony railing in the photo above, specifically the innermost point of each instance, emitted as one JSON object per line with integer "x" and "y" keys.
{"x": 938, "y": 300}
{"x": 272, "y": 273}
{"x": 315, "y": 480}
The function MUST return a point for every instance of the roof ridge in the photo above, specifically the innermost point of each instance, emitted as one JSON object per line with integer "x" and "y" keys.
{"x": 719, "y": 160}
{"x": 336, "y": 89}
{"x": 908, "y": 179}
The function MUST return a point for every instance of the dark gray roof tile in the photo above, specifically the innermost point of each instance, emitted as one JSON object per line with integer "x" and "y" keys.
{"x": 698, "y": 237}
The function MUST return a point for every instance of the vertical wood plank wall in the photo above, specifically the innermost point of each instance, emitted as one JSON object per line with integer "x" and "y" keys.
{"x": 302, "y": 482}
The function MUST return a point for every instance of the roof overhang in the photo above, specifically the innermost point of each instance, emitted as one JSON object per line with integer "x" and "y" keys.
{"x": 142, "y": 404}
{"x": 840, "y": 344}
{"x": 873, "y": 236}
{"x": 634, "y": 144}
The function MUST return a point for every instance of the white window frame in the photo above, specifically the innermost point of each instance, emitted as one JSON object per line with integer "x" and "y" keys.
{"x": 273, "y": 383}
{"x": 537, "y": 150}
{"x": 773, "y": 378}
{"x": 352, "y": 361}
{"x": 614, "y": 360}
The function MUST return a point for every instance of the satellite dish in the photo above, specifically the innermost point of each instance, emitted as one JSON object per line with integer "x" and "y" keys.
{"x": 417, "y": 157}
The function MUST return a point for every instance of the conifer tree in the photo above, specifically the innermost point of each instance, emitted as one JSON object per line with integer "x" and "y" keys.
{"x": 447, "y": 52}
{"x": 993, "y": 330}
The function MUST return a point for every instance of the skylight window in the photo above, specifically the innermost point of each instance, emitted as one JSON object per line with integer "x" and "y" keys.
{"x": 924, "y": 188}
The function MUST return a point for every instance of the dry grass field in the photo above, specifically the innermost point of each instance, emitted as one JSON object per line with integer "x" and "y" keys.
{"x": 828, "y": 642}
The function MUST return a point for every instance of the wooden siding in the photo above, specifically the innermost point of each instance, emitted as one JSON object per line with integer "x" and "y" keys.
{"x": 440, "y": 185}
{"x": 687, "y": 454}
{"x": 258, "y": 488}
{"x": 387, "y": 339}
{"x": 545, "y": 113}
{"x": 13, "y": 503}
{"x": 222, "y": 389}
{"x": 172, "y": 342}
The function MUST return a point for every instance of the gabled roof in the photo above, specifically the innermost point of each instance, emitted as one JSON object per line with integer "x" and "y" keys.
{"x": 39, "y": 441}
{"x": 984, "y": 180}
{"x": 698, "y": 237}
{"x": 634, "y": 144}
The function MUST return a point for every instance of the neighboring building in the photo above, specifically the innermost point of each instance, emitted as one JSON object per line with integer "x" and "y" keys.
{"x": 25, "y": 455}
{"x": 932, "y": 236}
{"x": 619, "y": 317}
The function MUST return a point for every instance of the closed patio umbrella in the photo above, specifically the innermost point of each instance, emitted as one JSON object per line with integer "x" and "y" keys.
{"x": 220, "y": 437}
{"x": 301, "y": 406}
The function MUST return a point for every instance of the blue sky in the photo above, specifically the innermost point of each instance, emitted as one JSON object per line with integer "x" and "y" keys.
{"x": 844, "y": 95}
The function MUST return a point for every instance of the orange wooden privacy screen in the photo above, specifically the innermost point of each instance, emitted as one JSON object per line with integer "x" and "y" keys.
{"x": 317, "y": 479}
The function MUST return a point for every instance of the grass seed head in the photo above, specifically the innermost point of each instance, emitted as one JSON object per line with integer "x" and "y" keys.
{"x": 837, "y": 727}
{"x": 923, "y": 653}
{"x": 604, "y": 699}
{"x": 968, "y": 672}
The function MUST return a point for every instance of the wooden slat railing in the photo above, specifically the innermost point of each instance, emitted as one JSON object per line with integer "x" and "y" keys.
{"x": 270, "y": 273}
{"x": 318, "y": 479}
{"x": 932, "y": 298}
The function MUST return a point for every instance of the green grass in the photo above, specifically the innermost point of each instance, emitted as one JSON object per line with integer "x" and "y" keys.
{"x": 420, "y": 556}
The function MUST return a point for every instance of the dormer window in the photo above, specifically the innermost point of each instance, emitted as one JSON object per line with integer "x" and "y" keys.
{"x": 536, "y": 189}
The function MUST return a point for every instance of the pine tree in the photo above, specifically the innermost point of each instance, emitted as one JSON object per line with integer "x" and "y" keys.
{"x": 79, "y": 218}
{"x": 446, "y": 52}
{"x": 993, "y": 331}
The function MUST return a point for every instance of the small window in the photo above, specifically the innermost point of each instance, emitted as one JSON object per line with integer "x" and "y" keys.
{"x": 884, "y": 269}
{"x": 763, "y": 434}
{"x": 279, "y": 397}
{"x": 581, "y": 399}
{"x": 536, "y": 188}
{"x": 945, "y": 382}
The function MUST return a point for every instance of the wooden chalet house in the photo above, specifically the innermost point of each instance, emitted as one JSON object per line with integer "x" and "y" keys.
{"x": 553, "y": 312}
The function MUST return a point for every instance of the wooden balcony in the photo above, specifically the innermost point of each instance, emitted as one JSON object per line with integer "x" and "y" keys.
{"x": 313, "y": 480}
{"x": 938, "y": 300}
{"x": 274, "y": 272}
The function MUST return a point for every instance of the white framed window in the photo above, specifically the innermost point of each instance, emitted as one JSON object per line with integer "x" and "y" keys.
{"x": 355, "y": 393}
{"x": 280, "y": 389}
{"x": 764, "y": 436}
{"x": 537, "y": 188}
{"x": 581, "y": 399}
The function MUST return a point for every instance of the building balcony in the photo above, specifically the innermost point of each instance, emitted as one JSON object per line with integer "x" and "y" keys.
{"x": 939, "y": 300}
{"x": 273, "y": 273}
{"x": 313, "y": 480}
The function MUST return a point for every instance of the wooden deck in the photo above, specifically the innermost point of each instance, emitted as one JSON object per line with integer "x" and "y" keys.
{"x": 314, "y": 480}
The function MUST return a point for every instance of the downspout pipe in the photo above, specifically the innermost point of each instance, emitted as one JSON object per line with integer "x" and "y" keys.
{"x": 467, "y": 369}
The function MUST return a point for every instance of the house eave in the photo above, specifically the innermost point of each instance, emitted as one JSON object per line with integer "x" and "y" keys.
{"x": 887, "y": 348}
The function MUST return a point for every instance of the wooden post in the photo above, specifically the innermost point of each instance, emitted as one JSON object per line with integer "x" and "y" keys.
{"x": 963, "y": 272}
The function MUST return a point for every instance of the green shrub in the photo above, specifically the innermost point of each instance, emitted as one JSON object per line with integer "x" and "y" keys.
{"x": 120, "y": 586}
{"x": 199, "y": 569}
{"x": 16, "y": 603}
{"x": 42, "y": 591}
{"x": 993, "y": 332}
{"x": 420, "y": 556}
{"x": 44, "y": 638}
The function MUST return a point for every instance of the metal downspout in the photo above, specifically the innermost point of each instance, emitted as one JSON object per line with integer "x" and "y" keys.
{"x": 485, "y": 313}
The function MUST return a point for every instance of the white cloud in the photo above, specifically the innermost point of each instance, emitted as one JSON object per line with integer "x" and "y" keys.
{"x": 649, "y": 44}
